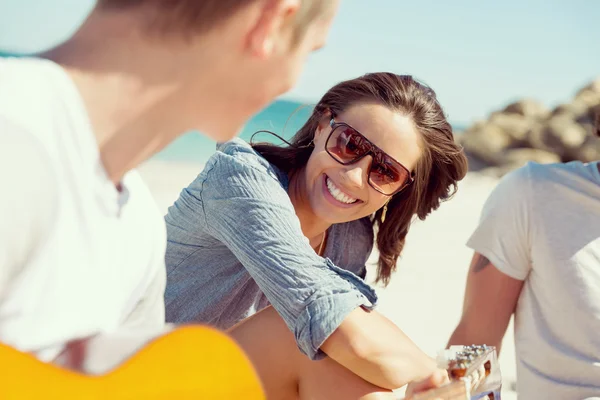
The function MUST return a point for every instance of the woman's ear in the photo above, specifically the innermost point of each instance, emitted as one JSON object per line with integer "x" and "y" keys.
{"x": 323, "y": 125}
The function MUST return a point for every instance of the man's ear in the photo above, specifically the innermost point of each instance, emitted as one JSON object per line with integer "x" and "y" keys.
{"x": 272, "y": 19}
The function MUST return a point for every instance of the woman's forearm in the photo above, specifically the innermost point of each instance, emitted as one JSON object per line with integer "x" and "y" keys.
{"x": 375, "y": 349}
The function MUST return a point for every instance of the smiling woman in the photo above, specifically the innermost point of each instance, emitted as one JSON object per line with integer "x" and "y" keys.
{"x": 293, "y": 227}
{"x": 403, "y": 117}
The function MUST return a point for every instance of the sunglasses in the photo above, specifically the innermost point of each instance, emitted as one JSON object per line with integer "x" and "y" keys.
{"x": 347, "y": 146}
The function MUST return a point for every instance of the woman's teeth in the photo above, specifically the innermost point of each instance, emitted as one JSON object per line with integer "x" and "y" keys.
{"x": 338, "y": 194}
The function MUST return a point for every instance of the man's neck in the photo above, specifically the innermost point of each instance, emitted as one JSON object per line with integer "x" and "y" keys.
{"x": 132, "y": 108}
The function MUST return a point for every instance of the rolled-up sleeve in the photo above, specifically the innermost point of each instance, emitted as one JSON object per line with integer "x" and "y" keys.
{"x": 248, "y": 210}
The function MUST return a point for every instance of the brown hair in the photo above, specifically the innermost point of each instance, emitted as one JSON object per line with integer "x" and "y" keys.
{"x": 440, "y": 167}
{"x": 199, "y": 16}
{"x": 598, "y": 121}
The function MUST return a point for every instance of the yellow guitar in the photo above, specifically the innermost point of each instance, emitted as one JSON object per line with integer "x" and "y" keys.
{"x": 474, "y": 375}
{"x": 188, "y": 363}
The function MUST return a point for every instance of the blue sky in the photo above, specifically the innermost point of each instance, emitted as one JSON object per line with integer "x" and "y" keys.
{"x": 477, "y": 54}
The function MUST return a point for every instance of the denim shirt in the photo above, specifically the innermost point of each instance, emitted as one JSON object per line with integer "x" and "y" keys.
{"x": 235, "y": 246}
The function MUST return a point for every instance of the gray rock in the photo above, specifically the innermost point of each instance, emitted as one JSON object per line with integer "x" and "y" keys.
{"x": 527, "y": 131}
{"x": 527, "y": 108}
{"x": 487, "y": 143}
{"x": 519, "y": 157}
{"x": 589, "y": 152}
{"x": 565, "y": 132}
{"x": 516, "y": 126}
{"x": 573, "y": 110}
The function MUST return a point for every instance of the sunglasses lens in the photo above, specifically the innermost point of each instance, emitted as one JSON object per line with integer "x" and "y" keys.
{"x": 346, "y": 145}
{"x": 387, "y": 176}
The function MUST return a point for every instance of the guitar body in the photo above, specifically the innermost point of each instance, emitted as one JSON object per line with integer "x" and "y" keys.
{"x": 188, "y": 363}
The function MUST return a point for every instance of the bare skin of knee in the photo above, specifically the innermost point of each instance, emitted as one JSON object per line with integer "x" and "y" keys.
{"x": 288, "y": 374}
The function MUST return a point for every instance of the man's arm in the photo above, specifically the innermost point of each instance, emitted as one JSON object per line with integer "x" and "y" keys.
{"x": 490, "y": 300}
{"x": 501, "y": 263}
{"x": 28, "y": 201}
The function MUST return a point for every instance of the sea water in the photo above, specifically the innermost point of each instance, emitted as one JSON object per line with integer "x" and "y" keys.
{"x": 282, "y": 117}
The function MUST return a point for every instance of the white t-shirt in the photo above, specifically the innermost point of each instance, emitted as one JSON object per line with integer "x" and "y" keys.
{"x": 77, "y": 256}
{"x": 542, "y": 225}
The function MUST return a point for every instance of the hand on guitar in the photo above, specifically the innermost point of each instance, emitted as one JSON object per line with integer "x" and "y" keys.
{"x": 435, "y": 380}
{"x": 470, "y": 373}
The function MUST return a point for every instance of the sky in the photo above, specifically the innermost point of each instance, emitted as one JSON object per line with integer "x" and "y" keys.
{"x": 478, "y": 55}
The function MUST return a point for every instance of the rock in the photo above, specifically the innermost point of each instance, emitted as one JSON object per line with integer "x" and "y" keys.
{"x": 574, "y": 110}
{"x": 566, "y": 131}
{"x": 589, "y": 118}
{"x": 588, "y": 98}
{"x": 516, "y": 126}
{"x": 589, "y": 152}
{"x": 593, "y": 86}
{"x": 527, "y": 131}
{"x": 486, "y": 143}
{"x": 561, "y": 135}
{"x": 518, "y": 157}
{"x": 529, "y": 108}
{"x": 496, "y": 172}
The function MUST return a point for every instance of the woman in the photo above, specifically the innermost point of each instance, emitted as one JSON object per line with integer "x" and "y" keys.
{"x": 293, "y": 228}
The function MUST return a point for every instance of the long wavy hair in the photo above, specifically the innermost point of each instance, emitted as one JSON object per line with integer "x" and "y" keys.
{"x": 440, "y": 167}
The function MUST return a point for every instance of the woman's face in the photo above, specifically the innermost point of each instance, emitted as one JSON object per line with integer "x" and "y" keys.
{"x": 341, "y": 193}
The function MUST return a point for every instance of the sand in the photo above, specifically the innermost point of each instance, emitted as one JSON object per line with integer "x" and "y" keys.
{"x": 424, "y": 297}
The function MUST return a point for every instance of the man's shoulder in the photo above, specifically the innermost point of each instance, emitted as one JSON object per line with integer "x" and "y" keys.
{"x": 536, "y": 184}
{"x": 29, "y": 97}
{"x": 540, "y": 176}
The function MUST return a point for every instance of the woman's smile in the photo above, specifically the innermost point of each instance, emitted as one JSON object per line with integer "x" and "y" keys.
{"x": 336, "y": 196}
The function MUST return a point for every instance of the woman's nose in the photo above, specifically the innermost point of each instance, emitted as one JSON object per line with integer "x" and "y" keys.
{"x": 356, "y": 174}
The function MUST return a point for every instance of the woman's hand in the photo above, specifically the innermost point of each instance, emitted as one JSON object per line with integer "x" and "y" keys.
{"x": 435, "y": 380}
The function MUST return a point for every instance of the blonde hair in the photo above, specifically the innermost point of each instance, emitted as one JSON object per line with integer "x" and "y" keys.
{"x": 200, "y": 16}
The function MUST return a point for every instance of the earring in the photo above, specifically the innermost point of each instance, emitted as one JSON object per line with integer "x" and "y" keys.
{"x": 309, "y": 145}
{"x": 384, "y": 212}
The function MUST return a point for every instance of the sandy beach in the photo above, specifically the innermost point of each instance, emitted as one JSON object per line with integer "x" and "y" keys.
{"x": 424, "y": 297}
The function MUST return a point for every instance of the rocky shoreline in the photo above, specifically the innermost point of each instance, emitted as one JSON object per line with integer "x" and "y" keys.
{"x": 529, "y": 131}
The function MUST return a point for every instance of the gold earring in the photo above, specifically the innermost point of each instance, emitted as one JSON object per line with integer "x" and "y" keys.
{"x": 384, "y": 213}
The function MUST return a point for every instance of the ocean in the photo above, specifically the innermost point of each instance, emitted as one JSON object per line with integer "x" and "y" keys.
{"x": 283, "y": 117}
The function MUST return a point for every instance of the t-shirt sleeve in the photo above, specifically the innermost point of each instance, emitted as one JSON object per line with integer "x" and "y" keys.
{"x": 28, "y": 200}
{"x": 503, "y": 233}
{"x": 251, "y": 213}
{"x": 149, "y": 312}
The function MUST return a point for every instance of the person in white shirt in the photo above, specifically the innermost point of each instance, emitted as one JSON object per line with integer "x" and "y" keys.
{"x": 537, "y": 256}
{"x": 82, "y": 242}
